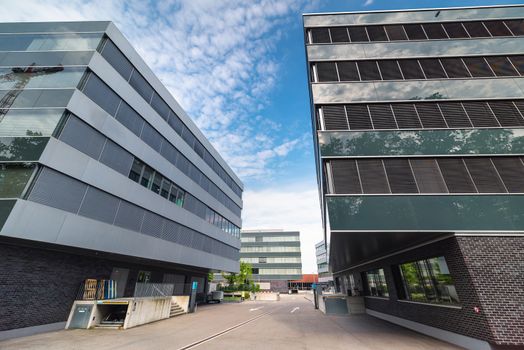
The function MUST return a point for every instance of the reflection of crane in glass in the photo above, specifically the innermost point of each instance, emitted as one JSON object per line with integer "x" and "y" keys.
{"x": 21, "y": 76}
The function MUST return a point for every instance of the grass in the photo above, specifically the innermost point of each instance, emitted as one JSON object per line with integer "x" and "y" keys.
{"x": 232, "y": 299}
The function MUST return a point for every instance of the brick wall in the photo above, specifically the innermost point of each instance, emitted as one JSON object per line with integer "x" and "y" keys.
{"x": 38, "y": 286}
{"x": 496, "y": 267}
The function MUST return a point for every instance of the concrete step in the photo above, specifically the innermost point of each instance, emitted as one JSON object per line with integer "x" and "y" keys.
{"x": 109, "y": 326}
{"x": 173, "y": 314}
{"x": 176, "y": 310}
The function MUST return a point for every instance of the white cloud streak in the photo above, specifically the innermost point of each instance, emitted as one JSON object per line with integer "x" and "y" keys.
{"x": 368, "y": 2}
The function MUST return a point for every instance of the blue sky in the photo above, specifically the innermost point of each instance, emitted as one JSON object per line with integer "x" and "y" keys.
{"x": 238, "y": 69}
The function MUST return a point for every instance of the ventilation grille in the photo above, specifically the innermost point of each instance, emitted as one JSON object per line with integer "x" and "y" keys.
{"x": 395, "y": 32}
{"x": 428, "y": 175}
{"x": 424, "y": 68}
{"x": 425, "y": 115}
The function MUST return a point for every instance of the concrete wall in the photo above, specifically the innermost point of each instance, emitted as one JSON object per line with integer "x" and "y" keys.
{"x": 182, "y": 301}
{"x": 147, "y": 310}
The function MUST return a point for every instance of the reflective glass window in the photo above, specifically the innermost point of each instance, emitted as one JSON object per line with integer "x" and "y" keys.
{"x": 47, "y": 42}
{"x": 14, "y": 178}
{"x": 157, "y": 182}
{"x": 376, "y": 283}
{"x": 129, "y": 118}
{"x": 30, "y": 122}
{"x": 147, "y": 176}
{"x": 40, "y": 77}
{"x": 136, "y": 170}
{"x": 160, "y": 106}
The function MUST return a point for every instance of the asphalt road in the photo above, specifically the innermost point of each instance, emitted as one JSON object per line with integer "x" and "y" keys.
{"x": 291, "y": 323}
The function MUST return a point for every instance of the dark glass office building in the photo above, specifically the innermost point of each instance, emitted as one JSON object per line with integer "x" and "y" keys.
{"x": 102, "y": 175}
{"x": 418, "y": 123}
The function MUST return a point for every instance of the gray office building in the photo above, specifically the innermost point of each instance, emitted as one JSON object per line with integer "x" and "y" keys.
{"x": 102, "y": 175}
{"x": 418, "y": 120}
{"x": 275, "y": 256}
{"x": 321, "y": 254}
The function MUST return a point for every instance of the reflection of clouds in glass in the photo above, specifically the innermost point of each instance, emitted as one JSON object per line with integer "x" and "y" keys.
{"x": 483, "y": 88}
{"x": 409, "y": 90}
{"x": 343, "y": 93}
{"x": 426, "y": 142}
{"x": 30, "y": 122}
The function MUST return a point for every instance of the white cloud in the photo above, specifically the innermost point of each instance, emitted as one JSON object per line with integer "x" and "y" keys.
{"x": 368, "y": 2}
{"x": 216, "y": 57}
{"x": 294, "y": 208}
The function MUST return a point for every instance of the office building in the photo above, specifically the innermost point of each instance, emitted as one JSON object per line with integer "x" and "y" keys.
{"x": 274, "y": 255}
{"x": 417, "y": 119}
{"x": 103, "y": 175}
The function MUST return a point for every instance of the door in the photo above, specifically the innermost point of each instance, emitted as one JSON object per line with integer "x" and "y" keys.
{"x": 81, "y": 316}
{"x": 120, "y": 276}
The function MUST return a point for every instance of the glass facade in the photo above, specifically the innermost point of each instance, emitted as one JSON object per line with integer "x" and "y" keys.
{"x": 14, "y": 178}
{"x": 428, "y": 281}
{"x": 50, "y": 42}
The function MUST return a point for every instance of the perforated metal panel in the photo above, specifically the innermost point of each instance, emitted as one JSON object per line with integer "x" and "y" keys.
{"x": 501, "y": 66}
{"x": 358, "y": 117}
{"x": 382, "y": 116}
{"x": 390, "y": 70}
{"x": 455, "y": 114}
{"x": 435, "y": 31}
{"x": 406, "y": 116}
{"x": 432, "y": 68}
{"x": 511, "y": 170}
{"x": 345, "y": 176}
{"x": 455, "y": 30}
{"x": 427, "y": 175}
{"x": 358, "y": 34}
{"x": 339, "y": 35}
{"x": 478, "y": 67}
{"x": 368, "y": 70}
{"x": 456, "y": 176}
{"x": 396, "y": 32}
{"x": 348, "y": 71}
{"x": 400, "y": 176}
{"x": 320, "y": 35}
{"x": 58, "y": 191}
{"x": 152, "y": 224}
{"x": 116, "y": 158}
{"x": 411, "y": 69}
{"x": 372, "y": 176}
{"x": 377, "y": 33}
{"x": 480, "y": 114}
{"x": 454, "y": 67}
{"x": 99, "y": 205}
{"x": 506, "y": 113}
{"x": 484, "y": 175}
{"x": 335, "y": 117}
{"x": 129, "y": 216}
{"x": 83, "y": 137}
{"x": 327, "y": 71}
{"x": 516, "y": 26}
{"x": 497, "y": 28}
{"x": 430, "y": 115}
{"x": 476, "y": 29}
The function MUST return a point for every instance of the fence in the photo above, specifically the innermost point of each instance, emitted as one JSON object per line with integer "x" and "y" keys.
{"x": 153, "y": 289}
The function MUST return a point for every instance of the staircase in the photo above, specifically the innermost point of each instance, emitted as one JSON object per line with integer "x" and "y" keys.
{"x": 176, "y": 310}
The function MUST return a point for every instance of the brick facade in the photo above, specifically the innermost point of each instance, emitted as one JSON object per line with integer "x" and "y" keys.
{"x": 38, "y": 286}
{"x": 496, "y": 267}
{"x": 487, "y": 273}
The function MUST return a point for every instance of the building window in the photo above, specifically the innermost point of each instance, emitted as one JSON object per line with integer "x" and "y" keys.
{"x": 254, "y": 271}
{"x": 377, "y": 286}
{"x": 428, "y": 281}
{"x": 262, "y": 260}
{"x": 259, "y": 239}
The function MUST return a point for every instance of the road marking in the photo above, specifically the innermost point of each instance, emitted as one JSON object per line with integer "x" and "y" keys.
{"x": 227, "y": 330}
{"x": 256, "y": 308}
{"x": 295, "y": 309}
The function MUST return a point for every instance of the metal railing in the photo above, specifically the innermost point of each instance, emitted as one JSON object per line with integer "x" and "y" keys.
{"x": 153, "y": 289}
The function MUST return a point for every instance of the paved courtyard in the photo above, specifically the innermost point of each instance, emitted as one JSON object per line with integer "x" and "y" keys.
{"x": 292, "y": 323}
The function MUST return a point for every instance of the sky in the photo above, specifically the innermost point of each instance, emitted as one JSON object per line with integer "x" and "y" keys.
{"x": 238, "y": 69}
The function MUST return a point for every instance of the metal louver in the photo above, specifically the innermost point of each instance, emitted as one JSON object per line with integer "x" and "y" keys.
{"x": 456, "y": 176}
{"x": 358, "y": 117}
{"x": 400, "y": 176}
{"x": 345, "y": 176}
{"x": 335, "y": 117}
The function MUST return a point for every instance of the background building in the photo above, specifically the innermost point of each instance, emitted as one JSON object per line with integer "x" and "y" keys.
{"x": 418, "y": 121}
{"x": 102, "y": 175}
{"x": 275, "y": 257}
